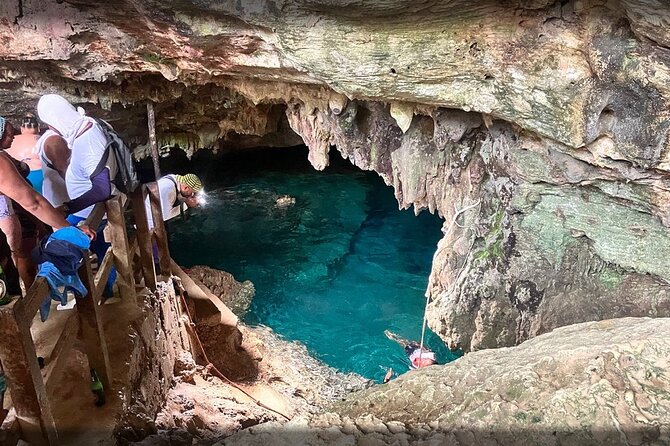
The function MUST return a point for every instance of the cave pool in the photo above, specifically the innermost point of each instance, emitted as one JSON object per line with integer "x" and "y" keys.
{"x": 332, "y": 271}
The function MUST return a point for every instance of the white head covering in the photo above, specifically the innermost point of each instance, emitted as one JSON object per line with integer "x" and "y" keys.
{"x": 57, "y": 112}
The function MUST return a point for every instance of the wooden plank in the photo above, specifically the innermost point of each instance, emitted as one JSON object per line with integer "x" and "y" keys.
{"x": 34, "y": 298}
{"x": 103, "y": 274}
{"x": 197, "y": 291}
{"x": 10, "y": 431}
{"x": 92, "y": 333}
{"x": 60, "y": 354}
{"x": 159, "y": 229}
{"x": 144, "y": 238}
{"x": 24, "y": 378}
{"x": 120, "y": 250}
{"x": 95, "y": 217}
{"x": 151, "y": 119}
{"x": 135, "y": 253}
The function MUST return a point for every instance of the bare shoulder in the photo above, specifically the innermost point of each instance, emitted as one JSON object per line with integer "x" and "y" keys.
{"x": 55, "y": 141}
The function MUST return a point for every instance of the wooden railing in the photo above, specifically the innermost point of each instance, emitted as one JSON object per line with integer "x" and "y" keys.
{"x": 29, "y": 386}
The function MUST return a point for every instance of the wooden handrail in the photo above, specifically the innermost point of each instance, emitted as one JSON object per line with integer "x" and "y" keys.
{"x": 60, "y": 353}
{"x": 29, "y": 386}
{"x": 19, "y": 363}
{"x": 102, "y": 275}
{"x": 34, "y": 298}
{"x": 95, "y": 217}
{"x": 144, "y": 237}
{"x": 159, "y": 228}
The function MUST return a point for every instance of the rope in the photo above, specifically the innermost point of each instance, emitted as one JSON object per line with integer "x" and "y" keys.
{"x": 423, "y": 328}
{"x": 425, "y": 308}
{"x": 177, "y": 281}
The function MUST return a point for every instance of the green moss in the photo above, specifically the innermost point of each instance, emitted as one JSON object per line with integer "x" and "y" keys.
{"x": 520, "y": 416}
{"x": 620, "y": 235}
{"x": 611, "y": 278}
{"x": 373, "y": 152}
{"x": 480, "y": 413}
{"x": 495, "y": 237}
{"x": 515, "y": 390}
{"x": 155, "y": 58}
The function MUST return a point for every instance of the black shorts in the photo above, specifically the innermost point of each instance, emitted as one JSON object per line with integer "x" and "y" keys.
{"x": 409, "y": 348}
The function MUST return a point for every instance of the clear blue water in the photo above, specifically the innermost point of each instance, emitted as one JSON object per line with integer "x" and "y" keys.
{"x": 332, "y": 271}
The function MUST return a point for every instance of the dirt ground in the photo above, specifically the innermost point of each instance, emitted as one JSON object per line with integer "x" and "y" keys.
{"x": 80, "y": 422}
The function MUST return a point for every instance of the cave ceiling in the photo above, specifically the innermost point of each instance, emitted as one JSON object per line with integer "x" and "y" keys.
{"x": 216, "y": 68}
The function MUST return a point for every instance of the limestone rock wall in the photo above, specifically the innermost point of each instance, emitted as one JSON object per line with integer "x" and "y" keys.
{"x": 537, "y": 129}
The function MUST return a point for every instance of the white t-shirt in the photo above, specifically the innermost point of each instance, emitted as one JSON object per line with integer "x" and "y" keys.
{"x": 53, "y": 188}
{"x": 171, "y": 202}
{"x": 87, "y": 151}
{"x": 414, "y": 357}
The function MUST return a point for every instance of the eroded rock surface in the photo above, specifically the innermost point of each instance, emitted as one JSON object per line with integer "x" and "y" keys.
{"x": 235, "y": 295}
{"x": 202, "y": 409}
{"x": 537, "y": 129}
{"x": 593, "y": 383}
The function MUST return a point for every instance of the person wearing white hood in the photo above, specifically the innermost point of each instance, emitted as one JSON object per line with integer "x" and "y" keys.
{"x": 88, "y": 178}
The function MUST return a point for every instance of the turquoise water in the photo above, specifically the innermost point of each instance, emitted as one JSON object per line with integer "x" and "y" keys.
{"x": 333, "y": 271}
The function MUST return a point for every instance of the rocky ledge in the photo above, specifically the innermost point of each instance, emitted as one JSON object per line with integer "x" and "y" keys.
{"x": 235, "y": 295}
{"x": 201, "y": 408}
{"x": 594, "y": 383}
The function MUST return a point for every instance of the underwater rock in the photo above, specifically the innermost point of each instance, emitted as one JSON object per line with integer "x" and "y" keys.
{"x": 284, "y": 201}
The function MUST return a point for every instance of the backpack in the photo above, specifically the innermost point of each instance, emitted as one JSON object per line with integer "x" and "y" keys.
{"x": 126, "y": 179}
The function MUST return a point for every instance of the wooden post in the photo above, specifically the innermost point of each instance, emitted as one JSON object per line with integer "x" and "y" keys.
{"x": 159, "y": 229}
{"x": 19, "y": 362}
{"x": 91, "y": 329}
{"x": 144, "y": 238}
{"x": 119, "y": 240}
{"x": 151, "y": 118}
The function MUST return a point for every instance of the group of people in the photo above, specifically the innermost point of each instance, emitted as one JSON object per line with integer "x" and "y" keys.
{"x": 49, "y": 184}
{"x": 53, "y": 180}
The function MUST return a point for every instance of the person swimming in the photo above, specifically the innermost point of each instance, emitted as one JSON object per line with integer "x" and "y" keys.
{"x": 418, "y": 357}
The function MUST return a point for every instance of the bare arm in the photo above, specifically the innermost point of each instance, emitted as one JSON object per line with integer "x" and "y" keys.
{"x": 16, "y": 188}
{"x": 57, "y": 151}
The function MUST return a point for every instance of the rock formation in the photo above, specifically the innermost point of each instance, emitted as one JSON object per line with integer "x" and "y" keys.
{"x": 235, "y": 295}
{"x": 592, "y": 383}
{"x": 537, "y": 129}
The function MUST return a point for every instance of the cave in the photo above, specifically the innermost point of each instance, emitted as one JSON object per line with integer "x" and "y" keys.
{"x": 536, "y": 131}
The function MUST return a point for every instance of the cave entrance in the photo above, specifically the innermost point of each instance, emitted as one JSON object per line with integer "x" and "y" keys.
{"x": 333, "y": 260}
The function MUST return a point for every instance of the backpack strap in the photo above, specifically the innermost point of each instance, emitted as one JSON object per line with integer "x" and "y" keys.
{"x": 105, "y": 156}
{"x": 176, "y": 186}
{"x": 177, "y": 202}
